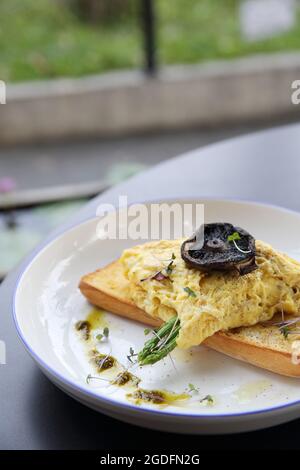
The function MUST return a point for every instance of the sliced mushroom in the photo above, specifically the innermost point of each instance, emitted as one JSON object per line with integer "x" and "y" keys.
{"x": 221, "y": 247}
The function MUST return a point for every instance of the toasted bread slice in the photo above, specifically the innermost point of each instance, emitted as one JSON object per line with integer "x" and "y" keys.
{"x": 262, "y": 346}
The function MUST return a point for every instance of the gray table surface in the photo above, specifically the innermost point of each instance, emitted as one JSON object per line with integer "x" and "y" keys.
{"x": 34, "y": 414}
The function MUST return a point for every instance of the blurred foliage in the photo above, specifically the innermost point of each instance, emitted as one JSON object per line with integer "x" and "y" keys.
{"x": 197, "y": 30}
{"x": 47, "y": 38}
{"x": 103, "y": 11}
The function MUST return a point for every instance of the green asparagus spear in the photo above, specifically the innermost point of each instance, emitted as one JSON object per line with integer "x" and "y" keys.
{"x": 163, "y": 342}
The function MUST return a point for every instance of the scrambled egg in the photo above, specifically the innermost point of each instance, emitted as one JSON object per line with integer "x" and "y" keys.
{"x": 209, "y": 302}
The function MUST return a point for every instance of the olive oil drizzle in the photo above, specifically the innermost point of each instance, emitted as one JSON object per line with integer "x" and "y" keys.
{"x": 104, "y": 363}
{"x": 156, "y": 397}
{"x": 96, "y": 318}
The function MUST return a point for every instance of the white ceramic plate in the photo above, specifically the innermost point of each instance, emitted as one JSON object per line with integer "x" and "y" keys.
{"x": 48, "y": 303}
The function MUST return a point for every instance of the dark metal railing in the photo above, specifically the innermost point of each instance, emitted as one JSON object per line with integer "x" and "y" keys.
{"x": 149, "y": 33}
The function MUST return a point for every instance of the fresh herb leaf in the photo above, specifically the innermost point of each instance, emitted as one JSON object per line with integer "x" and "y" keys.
{"x": 170, "y": 268}
{"x": 171, "y": 265}
{"x": 147, "y": 331}
{"x": 131, "y": 354}
{"x": 209, "y": 399}
{"x": 102, "y": 335}
{"x": 193, "y": 389}
{"x": 106, "y": 332}
{"x": 285, "y": 331}
{"x": 233, "y": 237}
{"x": 190, "y": 292}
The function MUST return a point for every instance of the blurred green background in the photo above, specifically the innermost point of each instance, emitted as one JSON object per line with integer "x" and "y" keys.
{"x": 44, "y": 39}
{"x": 53, "y": 38}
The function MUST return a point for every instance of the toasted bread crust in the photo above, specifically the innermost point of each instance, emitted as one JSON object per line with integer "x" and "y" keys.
{"x": 107, "y": 288}
{"x": 265, "y": 358}
{"x": 99, "y": 289}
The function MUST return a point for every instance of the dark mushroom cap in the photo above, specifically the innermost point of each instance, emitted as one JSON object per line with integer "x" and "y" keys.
{"x": 217, "y": 252}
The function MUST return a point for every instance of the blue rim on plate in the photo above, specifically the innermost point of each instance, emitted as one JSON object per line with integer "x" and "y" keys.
{"x": 110, "y": 401}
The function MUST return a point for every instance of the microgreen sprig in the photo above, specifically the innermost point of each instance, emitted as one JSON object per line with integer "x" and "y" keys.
{"x": 285, "y": 331}
{"x": 286, "y": 327}
{"x": 90, "y": 377}
{"x": 208, "y": 400}
{"x": 233, "y": 238}
{"x": 193, "y": 389}
{"x": 131, "y": 355}
{"x": 164, "y": 273}
{"x": 190, "y": 292}
{"x": 104, "y": 334}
